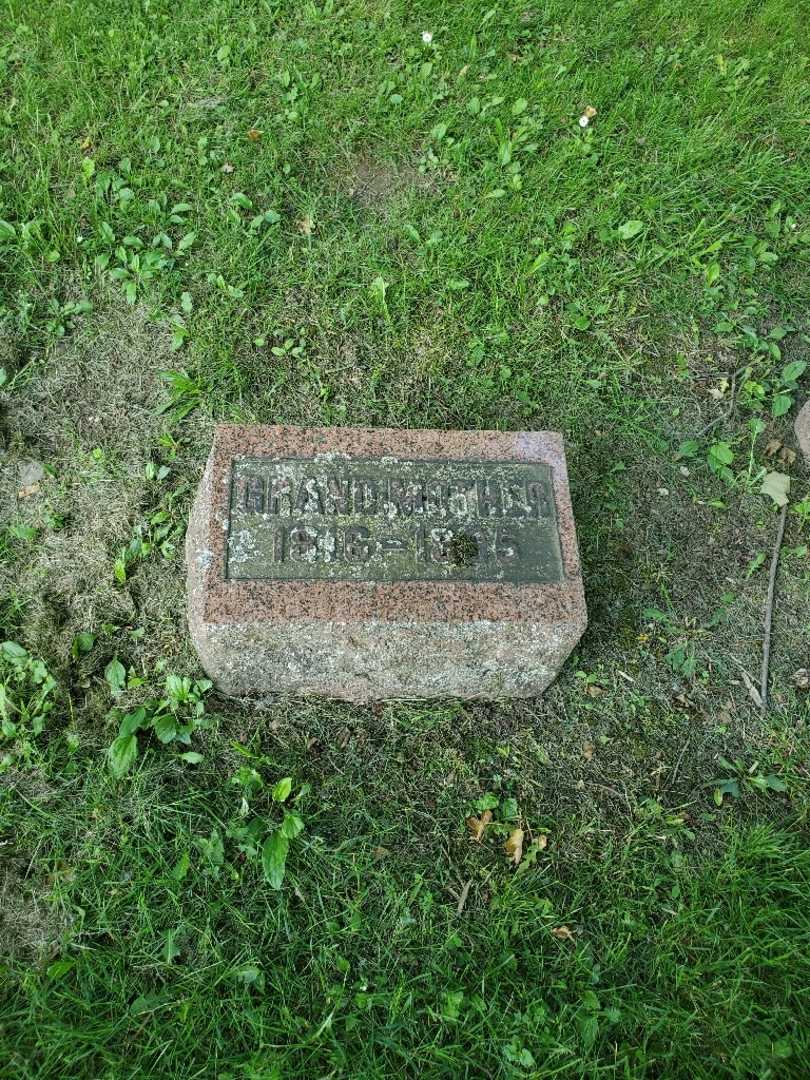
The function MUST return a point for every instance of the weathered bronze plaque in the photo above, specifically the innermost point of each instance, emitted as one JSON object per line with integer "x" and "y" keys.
{"x": 386, "y": 519}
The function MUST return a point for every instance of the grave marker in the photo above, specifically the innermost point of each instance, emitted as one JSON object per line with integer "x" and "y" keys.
{"x": 375, "y": 563}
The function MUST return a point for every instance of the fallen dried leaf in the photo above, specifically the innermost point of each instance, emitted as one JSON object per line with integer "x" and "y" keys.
{"x": 31, "y": 489}
{"x": 514, "y": 846}
{"x": 787, "y": 456}
{"x": 254, "y": 134}
{"x": 477, "y": 825}
{"x": 305, "y": 225}
{"x": 777, "y": 485}
{"x": 719, "y": 392}
{"x": 772, "y": 446}
{"x": 562, "y": 933}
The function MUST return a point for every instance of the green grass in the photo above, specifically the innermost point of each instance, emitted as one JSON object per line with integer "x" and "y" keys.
{"x": 303, "y": 213}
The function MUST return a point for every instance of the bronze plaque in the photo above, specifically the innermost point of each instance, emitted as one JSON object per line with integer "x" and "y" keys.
{"x": 339, "y": 519}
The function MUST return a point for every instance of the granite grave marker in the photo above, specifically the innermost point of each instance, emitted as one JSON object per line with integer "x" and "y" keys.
{"x": 375, "y": 563}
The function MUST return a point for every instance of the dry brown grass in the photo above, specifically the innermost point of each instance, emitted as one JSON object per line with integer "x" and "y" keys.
{"x": 90, "y": 415}
{"x": 376, "y": 185}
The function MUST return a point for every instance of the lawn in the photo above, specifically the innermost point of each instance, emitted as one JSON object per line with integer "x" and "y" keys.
{"x": 593, "y": 218}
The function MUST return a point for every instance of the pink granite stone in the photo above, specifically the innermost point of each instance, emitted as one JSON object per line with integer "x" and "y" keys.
{"x": 330, "y": 624}
{"x": 802, "y": 429}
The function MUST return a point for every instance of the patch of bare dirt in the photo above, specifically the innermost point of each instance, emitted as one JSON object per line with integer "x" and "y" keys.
{"x": 31, "y": 926}
{"x": 374, "y": 185}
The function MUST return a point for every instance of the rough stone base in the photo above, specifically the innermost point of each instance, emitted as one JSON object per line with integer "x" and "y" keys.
{"x": 366, "y": 641}
{"x": 376, "y": 660}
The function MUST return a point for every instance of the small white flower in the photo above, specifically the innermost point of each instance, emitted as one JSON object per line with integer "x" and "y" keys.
{"x": 584, "y": 121}
{"x": 427, "y": 37}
